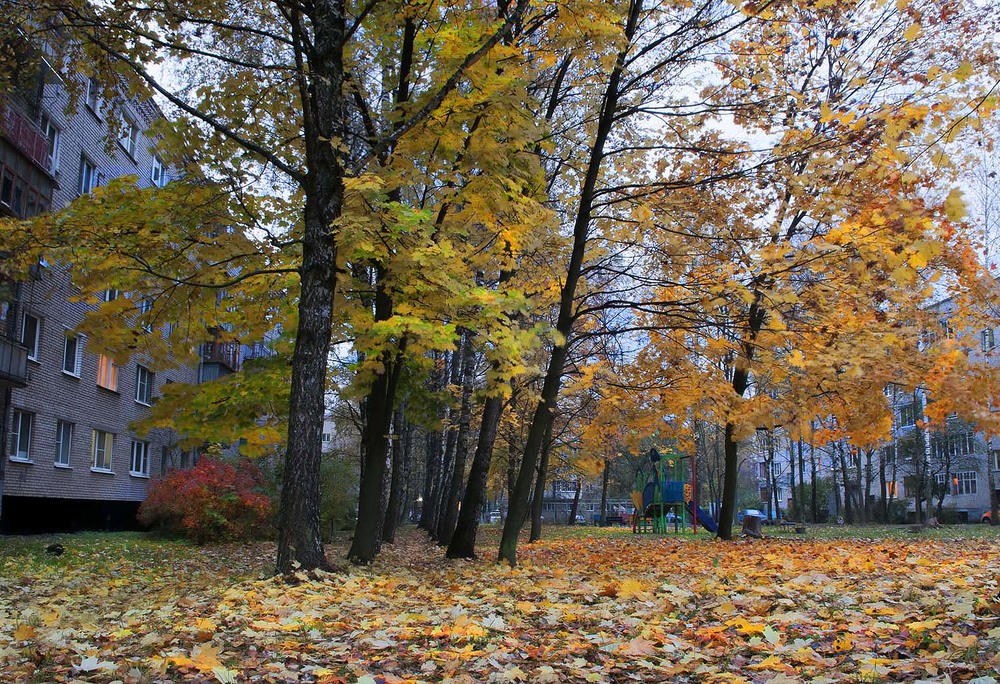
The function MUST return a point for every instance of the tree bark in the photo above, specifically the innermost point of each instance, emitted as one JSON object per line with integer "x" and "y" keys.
{"x": 604, "y": 493}
{"x": 538, "y": 500}
{"x": 546, "y": 408}
{"x": 576, "y": 502}
{"x": 300, "y": 539}
{"x": 463, "y": 541}
{"x": 392, "y": 509}
{"x": 462, "y": 448}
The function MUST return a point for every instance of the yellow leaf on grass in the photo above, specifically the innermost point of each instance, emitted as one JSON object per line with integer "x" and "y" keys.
{"x": 966, "y": 641}
{"x": 923, "y": 625}
{"x": 770, "y": 663}
{"x": 204, "y": 658}
{"x": 24, "y": 632}
{"x": 630, "y": 588}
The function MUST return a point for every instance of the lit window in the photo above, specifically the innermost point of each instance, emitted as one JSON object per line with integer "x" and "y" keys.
{"x": 143, "y": 385}
{"x": 73, "y": 355}
{"x": 20, "y": 435}
{"x": 31, "y": 329}
{"x": 140, "y": 458}
{"x": 64, "y": 442}
{"x": 107, "y": 373}
{"x": 103, "y": 444}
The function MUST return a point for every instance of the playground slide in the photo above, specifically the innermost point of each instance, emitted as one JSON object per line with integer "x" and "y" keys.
{"x": 704, "y": 518}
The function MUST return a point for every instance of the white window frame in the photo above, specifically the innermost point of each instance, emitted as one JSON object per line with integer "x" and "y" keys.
{"x": 995, "y": 459}
{"x": 140, "y": 457}
{"x": 64, "y": 443}
{"x": 128, "y": 137}
{"x": 158, "y": 173}
{"x": 989, "y": 339}
{"x": 911, "y": 409}
{"x": 77, "y": 355}
{"x": 109, "y": 295}
{"x": 88, "y": 176}
{"x": 144, "y": 385}
{"x": 102, "y": 446}
{"x": 107, "y": 373}
{"x": 53, "y": 134}
{"x": 37, "y": 328}
{"x": 144, "y": 306}
{"x": 92, "y": 97}
{"x": 19, "y": 447}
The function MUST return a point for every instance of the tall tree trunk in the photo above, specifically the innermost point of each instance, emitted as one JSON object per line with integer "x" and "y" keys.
{"x": 538, "y": 500}
{"x": 604, "y": 493}
{"x": 300, "y": 538}
{"x": 791, "y": 480}
{"x": 813, "y": 472}
{"x": 462, "y": 447}
{"x": 846, "y": 478}
{"x": 545, "y": 410}
{"x": 450, "y": 445}
{"x": 883, "y": 487}
{"x": 740, "y": 382}
{"x": 463, "y": 541}
{"x": 396, "y": 483}
{"x": 576, "y": 503}
{"x": 381, "y": 399}
{"x": 432, "y": 451}
{"x": 802, "y": 484}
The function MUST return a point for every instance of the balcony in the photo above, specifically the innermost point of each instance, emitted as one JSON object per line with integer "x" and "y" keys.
{"x": 226, "y": 353}
{"x": 24, "y": 136}
{"x": 13, "y": 364}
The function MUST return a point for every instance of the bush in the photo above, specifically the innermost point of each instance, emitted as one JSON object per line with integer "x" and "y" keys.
{"x": 213, "y": 501}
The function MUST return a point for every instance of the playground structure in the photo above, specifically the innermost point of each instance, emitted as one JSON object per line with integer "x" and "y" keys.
{"x": 662, "y": 502}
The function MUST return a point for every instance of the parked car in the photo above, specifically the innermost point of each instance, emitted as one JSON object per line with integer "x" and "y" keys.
{"x": 985, "y": 519}
{"x": 580, "y": 519}
{"x": 494, "y": 516}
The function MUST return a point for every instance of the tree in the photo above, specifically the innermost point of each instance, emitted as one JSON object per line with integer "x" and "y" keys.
{"x": 249, "y": 57}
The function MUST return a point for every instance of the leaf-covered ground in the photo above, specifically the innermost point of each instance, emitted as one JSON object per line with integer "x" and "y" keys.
{"x": 589, "y": 606}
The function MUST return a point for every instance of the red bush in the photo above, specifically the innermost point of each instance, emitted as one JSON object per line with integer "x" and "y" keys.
{"x": 213, "y": 501}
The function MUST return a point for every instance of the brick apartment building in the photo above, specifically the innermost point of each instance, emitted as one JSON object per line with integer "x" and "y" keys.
{"x": 70, "y": 459}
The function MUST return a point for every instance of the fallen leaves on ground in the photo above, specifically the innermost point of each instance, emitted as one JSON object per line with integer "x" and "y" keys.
{"x": 585, "y": 608}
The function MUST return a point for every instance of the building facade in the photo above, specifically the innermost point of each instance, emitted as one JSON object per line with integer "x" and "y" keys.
{"x": 71, "y": 458}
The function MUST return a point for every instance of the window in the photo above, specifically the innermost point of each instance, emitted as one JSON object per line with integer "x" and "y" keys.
{"x": 20, "y": 435}
{"x": 103, "y": 444}
{"x": 145, "y": 308}
{"x": 140, "y": 458}
{"x": 158, "y": 174}
{"x": 31, "y": 329}
{"x": 73, "y": 355}
{"x": 92, "y": 97}
{"x": 995, "y": 459}
{"x": 128, "y": 136}
{"x": 13, "y": 192}
{"x": 64, "y": 442}
{"x": 54, "y": 137}
{"x": 109, "y": 295}
{"x": 945, "y": 445}
{"x": 890, "y": 489}
{"x": 961, "y": 483}
{"x": 327, "y": 436}
{"x": 989, "y": 339}
{"x": 907, "y": 415}
{"x": 107, "y": 373}
{"x": 88, "y": 176}
{"x": 143, "y": 385}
